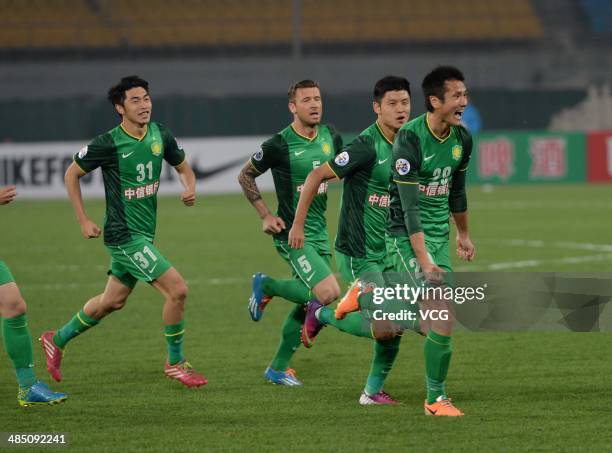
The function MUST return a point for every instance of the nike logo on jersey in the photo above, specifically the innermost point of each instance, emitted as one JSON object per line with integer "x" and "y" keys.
{"x": 380, "y": 162}
{"x": 428, "y": 157}
{"x": 310, "y": 278}
{"x": 128, "y": 154}
{"x": 300, "y": 152}
{"x": 153, "y": 268}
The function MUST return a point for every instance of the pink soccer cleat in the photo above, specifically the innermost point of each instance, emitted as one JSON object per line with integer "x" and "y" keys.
{"x": 53, "y": 354}
{"x": 185, "y": 374}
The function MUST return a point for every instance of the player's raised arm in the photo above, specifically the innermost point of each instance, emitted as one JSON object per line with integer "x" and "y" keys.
{"x": 72, "y": 180}
{"x": 7, "y": 194}
{"x": 309, "y": 191}
{"x": 188, "y": 180}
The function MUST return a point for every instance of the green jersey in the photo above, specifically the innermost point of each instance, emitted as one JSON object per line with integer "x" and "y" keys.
{"x": 365, "y": 165}
{"x": 130, "y": 169}
{"x": 291, "y": 157}
{"x": 420, "y": 157}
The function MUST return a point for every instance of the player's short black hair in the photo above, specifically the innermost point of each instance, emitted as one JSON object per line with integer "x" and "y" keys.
{"x": 390, "y": 83}
{"x": 307, "y": 83}
{"x": 434, "y": 83}
{"x": 116, "y": 94}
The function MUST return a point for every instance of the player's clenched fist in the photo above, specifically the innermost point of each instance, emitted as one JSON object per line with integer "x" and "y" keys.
{"x": 272, "y": 224}
{"x": 90, "y": 229}
{"x": 7, "y": 194}
{"x": 188, "y": 197}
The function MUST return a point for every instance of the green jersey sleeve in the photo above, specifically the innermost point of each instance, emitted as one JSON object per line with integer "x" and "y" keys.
{"x": 269, "y": 154}
{"x": 358, "y": 154}
{"x": 457, "y": 198}
{"x": 337, "y": 139}
{"x": 173, "y": 154}
{"x": 407, "y": 158}
{"x": 99, "y": 152}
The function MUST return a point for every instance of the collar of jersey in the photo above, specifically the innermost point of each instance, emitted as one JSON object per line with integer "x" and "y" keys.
{"x": 441, "y": 140}
{"x": 382, "y": 133}
{"x": 133, "y": 136}
{"x": 308, "y": 139}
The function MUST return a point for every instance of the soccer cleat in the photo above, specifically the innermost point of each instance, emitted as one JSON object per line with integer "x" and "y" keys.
{"x": 53, "y": 355}
{"x": 185, "y": 374}
{"x": 380, "y": 398}
{"x": 258, "y": 300}
{"x": 312, "y": 326}
{"x": 286, "y": 377}
{"x": 39, "y": 394}
{"x": 350, "y": 302}
{"x": 442, "y": 407}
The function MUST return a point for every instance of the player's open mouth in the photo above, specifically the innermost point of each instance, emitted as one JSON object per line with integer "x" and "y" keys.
{"x": 400, "y": 118}
{"x": 458, "y": 114}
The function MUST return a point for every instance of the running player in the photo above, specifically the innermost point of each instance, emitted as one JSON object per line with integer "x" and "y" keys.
{"x": 16, "y": 336}
{"x": 130, "y": 156}
{"x": 291, "y": 154}
{"x": 364, "y": 165}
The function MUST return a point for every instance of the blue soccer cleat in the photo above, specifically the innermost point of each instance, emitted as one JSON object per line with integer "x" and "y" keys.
{"x": 258, "y": 300}
{"x": 286, "y": 377}
{"x": 38, "y": 394}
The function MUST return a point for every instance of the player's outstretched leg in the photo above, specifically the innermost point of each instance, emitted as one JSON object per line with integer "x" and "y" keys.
{"x": 264, "y": 288}
{"x": 17, "y": 342}
{"x": 54, "y": 342}
{"x": 174, "y": 289}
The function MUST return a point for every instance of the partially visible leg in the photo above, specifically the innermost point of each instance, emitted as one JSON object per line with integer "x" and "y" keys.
{"x": 174, "y": 289}
{"x": 113, "y": 298}
{"x": 16, "y": 335}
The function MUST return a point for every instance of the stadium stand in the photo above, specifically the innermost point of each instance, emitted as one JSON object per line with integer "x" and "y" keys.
{"x": 41, "y": 24}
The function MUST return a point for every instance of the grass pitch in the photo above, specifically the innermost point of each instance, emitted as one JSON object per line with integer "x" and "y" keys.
{"x": 520, "y": 391}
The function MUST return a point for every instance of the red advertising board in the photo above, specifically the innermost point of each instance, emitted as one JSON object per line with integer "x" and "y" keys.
{"x": 599, "y": 152}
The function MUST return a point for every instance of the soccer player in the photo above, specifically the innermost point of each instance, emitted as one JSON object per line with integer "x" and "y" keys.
{"x": 291, "y": 154}
{"x": 130, "y": 156}
{"x": 364, "y": 165}
{"x": 16, "y": 336}
{"x": 430, "y": 159}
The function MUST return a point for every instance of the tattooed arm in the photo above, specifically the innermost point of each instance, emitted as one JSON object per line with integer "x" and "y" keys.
{"x": 270, "y": 223}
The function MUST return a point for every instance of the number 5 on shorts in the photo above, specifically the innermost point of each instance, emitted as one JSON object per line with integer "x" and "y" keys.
{"x": 304, "y": 264}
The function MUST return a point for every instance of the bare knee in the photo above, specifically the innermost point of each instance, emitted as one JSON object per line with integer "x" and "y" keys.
{"x": 327, "y": 292}
{"x": 179, "y": 292}
{"x": 12, "y": 306}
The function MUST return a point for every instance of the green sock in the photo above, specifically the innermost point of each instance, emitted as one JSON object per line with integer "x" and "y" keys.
{"x": 352, "y": 323}
{"x": 293, "y": 290}
{"x": 174, "y": 338}
{"x": 76, "y": 326}
{"x": 18, "y": 345}
{"x": 385, "y": 353}
{"x": 438, "y": 351}
{"x": 291, "y": 339}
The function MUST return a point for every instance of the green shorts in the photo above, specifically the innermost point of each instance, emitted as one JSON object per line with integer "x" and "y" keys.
{"x": 310, "y": 264}
{"x": 351, "y": 268}
{"x": 5, "y": 274}
{"x": 137, "y": 260}
{"x": 403, "y": 258}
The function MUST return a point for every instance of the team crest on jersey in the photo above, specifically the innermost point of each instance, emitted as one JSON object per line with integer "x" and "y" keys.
{"x": 456, "y": 152}
{"x": 342, "y": 159}
{"x": 258, "y": 155}
{"x": 402, "y": 166}
{"x": 156, "y": 149}
{"x": 326, "y": 148}
{"x": 83, "y": 152}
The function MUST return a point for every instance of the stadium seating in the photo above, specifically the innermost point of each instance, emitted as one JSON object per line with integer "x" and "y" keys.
{"x": 42, "y": 24}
